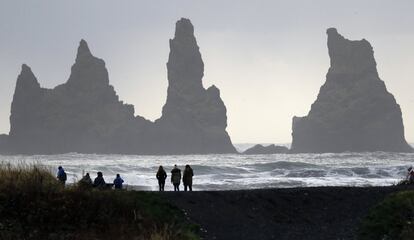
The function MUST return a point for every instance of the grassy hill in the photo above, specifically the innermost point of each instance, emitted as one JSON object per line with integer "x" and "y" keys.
{"x": 34, "y": 205}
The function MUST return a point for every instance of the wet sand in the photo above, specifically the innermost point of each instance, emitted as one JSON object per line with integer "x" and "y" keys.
{"x": 292, "y": 214}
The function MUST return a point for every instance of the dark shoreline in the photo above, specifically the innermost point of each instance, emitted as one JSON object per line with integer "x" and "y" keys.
{"x": 314, "y": 213}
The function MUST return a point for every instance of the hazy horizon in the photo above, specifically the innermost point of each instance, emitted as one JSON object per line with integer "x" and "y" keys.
{"x": 268, "y": 58}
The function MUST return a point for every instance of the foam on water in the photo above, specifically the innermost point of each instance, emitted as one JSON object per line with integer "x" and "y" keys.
{"x": 225, "y": 172}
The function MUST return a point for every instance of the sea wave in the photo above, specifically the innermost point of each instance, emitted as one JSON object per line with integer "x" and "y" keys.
{"x": 235, "y": 171}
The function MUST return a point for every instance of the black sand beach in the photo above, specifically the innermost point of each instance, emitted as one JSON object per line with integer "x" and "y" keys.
{"x": 295, "y": 214}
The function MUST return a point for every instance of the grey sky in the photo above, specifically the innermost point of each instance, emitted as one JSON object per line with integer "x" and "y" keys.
{"x": 269, "y": 58}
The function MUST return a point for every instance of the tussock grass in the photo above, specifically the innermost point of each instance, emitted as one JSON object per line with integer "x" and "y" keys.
{"x": 34, "y": 205}
{"x": 392, "y": 219}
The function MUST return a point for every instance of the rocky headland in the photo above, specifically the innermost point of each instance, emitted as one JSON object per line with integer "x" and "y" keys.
{"x": 353, "y": 111}
{"x": 85, "y": 114}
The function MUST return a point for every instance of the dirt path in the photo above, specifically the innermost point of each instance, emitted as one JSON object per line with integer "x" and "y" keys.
{"x": 292, "y": 214}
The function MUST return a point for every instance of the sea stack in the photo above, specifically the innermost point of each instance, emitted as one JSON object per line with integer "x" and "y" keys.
{"x": 193, "y": 119}
{"x": 353, "y": 110}
{"x": 270, "y": 149}
{"x": 80, "y": 115}
{"x": 85, "y": 114}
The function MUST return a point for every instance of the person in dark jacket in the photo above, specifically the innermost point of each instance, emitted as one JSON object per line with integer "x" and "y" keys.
{"x": 86, "y": 181}
{"x": 188, "y": 178}
{"x": 176, "y": 178}
{"x": 410, "y": 176}
{"x": 61, "y": 175}
{"x": 118, "y": 181}
{"x": 161, "y": 176}
{"x": 99, "y": 181}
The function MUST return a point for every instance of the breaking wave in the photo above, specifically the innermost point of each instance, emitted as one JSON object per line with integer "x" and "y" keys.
{"x": 226, "y": 172}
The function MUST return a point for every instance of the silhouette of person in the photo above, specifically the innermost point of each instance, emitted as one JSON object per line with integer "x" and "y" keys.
{"x": 161, "y": 176}
{"x": 86, "y": 180}
{"x": 118, "y": 181}
{"x": 410, "y": 175}
{"x": 61, "y": 175}
{"x": 99, "y": 181}
{"x": 188, "y": 178}
{"x": 176, "y": 178}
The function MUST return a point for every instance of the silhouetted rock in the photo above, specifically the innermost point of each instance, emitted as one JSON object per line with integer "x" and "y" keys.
{"x": 81, "y": 115}
{"x": 353, "y": 111}
{"x": 271, "y": 149}
{"x": 193, "y": 119}
{"x": 85, "y": 115}
{"x": 3, "y": 143}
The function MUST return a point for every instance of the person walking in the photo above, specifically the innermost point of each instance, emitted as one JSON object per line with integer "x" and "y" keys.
{"x": 99, "y": 181}
{"x": 118, "y": 181}
{"x": 61, "y": 175}
{"x": 176, "y": 178}
{"x": 161, "y": 176}
{"x": 188, "y": 178}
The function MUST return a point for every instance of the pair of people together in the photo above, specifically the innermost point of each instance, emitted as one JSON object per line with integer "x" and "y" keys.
{"x": 176, "y": 178}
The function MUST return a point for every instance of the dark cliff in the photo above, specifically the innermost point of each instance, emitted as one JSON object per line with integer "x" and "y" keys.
{"x": 85, "y": 115}
{"x": 193, "y": 118}
{"x": 353, "y": 111}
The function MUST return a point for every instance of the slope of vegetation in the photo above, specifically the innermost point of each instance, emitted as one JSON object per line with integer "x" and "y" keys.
{"x": 391, "y": 219}
{"x": 34, "y": 205}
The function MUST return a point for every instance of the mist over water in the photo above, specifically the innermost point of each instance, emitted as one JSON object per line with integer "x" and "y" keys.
{"x": 232, "y": 171}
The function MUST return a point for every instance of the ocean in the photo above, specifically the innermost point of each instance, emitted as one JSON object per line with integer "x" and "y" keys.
{"x": 233, "y": 171}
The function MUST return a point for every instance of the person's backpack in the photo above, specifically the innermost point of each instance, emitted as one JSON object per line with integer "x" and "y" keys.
{"x": 63, "y": 177}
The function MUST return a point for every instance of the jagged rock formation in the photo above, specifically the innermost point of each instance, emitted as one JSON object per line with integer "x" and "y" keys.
{"x": 193, "y": 118}
{"x": 3, "y": 143}
{"x": 85, "y": 115}
{"x": 353, "y": 111}
{"x": 271, "y": 149}
{"x": 81, "y": 115}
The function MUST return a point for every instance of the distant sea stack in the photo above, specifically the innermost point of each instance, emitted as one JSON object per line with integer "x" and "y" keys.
{"x": 85, "y": 114}
{"x": 271, "y": 149}
{"x": 353, "y": 111}
{"x": 193, "y": 119}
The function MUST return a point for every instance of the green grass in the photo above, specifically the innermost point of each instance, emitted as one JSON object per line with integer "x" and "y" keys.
{"x": 34, "y": 205}
{"x": 391, "y": 219}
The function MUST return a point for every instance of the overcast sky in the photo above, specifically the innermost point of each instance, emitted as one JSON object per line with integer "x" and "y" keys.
{"x": 268, "y": 58}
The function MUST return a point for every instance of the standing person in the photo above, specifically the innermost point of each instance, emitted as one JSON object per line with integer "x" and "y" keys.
{"x": 410, "y": 176}
{"x": 118, "y": 181}
{"x": 161, "y": 176}
{"x": 176, "y": 178}
{"x": 188, "y": 178}
{"x": 61, "y": 175}
{"x": 99, "y": 181}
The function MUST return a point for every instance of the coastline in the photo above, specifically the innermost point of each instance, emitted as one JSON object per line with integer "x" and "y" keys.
{"x": 314, "y": 213}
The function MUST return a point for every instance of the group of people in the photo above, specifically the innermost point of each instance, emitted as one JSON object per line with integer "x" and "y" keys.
{"x": 86, "y": 181}
{"x": 99, "y": 181}
{"x": 176, "y": 178}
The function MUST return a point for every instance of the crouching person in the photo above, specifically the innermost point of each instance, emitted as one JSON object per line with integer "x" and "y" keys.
{"x": 99, "y": 181}
{"x": 118, "y": 181}
{"x": 86, "y": 182}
